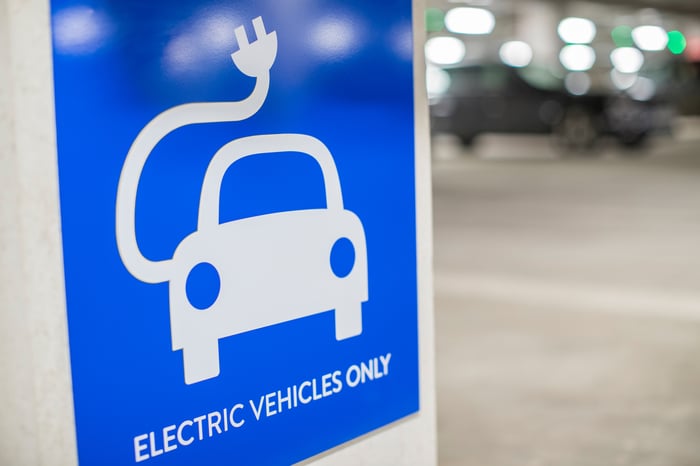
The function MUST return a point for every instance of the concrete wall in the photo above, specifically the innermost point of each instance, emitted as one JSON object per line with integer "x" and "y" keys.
{"x": 36, "y": 425}
{"x": 36, "y": 421}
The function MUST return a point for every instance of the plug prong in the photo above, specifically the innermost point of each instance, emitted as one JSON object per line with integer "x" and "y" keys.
{"x": 241, "y": 36}
{"x": 259, "y": 27}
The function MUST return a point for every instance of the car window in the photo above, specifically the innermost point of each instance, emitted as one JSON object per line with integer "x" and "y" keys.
{"x": 477, "y": 80}
{"x": 494, "y": 79}
{"x": 540, "y": 78}
{"x": 252, "y": 185}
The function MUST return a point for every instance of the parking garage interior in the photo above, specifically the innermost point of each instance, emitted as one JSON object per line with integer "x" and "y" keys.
{"x": 566, "y": 271}
{"x": 565, "y": 158}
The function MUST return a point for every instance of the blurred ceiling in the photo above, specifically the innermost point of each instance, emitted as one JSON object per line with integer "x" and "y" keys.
{"x": 679, "y": 6}
{"x": 533, "y": 25}
{"x": 676, "y": 6}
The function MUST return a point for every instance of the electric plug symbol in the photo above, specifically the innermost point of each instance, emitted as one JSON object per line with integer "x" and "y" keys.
{"x": 255, "y": 58}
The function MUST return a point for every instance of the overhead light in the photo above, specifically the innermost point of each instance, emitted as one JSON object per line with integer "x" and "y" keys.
{"x": 577, "y": 30}
{"x": 622, "y": 80}
{"x": 466, "y": 20}
{"x": 643, "y": 89}
{"x": 676, "y": 42}
{"x": 651, "y": 38}
{"x": 622, "y": 36}
{"x": 627, "y": 59}
{"x": 577, "y": 57}
{"x": 437, "y": 81}
{"x": 434, "y": 20}
{"x": 577, "y": 83}
{"x": 444, "y": 50}
{"x": 515, "y": 53}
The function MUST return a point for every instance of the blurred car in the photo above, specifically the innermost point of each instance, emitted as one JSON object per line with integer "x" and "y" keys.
{"x": 494, "y": 98}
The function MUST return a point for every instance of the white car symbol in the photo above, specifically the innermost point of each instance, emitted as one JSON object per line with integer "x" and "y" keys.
{"x": 273, "y": 268}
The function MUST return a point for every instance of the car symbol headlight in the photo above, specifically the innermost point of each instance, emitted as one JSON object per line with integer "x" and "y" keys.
{"x": 203, "y": 285}
{"x": 342, "y": 257}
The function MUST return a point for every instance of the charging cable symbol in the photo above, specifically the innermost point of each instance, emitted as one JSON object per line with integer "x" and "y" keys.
{"x": 262, "y": 270}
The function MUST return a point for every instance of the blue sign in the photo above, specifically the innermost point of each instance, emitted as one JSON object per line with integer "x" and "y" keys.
{"x": 238, "y": 214}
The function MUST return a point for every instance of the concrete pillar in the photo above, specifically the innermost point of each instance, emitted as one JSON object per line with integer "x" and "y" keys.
{"x": 536, "y": 24}
{"x": 36, "y": 425}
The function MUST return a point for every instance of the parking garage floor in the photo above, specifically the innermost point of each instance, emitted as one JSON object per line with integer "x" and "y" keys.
{"x": 567, "y": 304}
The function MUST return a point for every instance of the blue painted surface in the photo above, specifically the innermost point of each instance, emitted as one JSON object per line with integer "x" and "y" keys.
{"x": 342, "y": 257}
{"x": 343, "y": 74}
{"x": 203, "y": 285}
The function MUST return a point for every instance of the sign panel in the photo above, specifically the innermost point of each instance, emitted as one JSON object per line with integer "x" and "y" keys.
{"x": 238, "y": 217}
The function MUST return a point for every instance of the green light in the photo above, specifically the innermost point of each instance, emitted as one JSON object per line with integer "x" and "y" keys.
{"x": 676, "y": 42}
{"x": 434, "y": 20}
{"x": 622, "y": 36}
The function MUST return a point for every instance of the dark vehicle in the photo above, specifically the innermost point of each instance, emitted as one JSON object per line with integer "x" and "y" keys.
{"x": 500, "y": 99}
